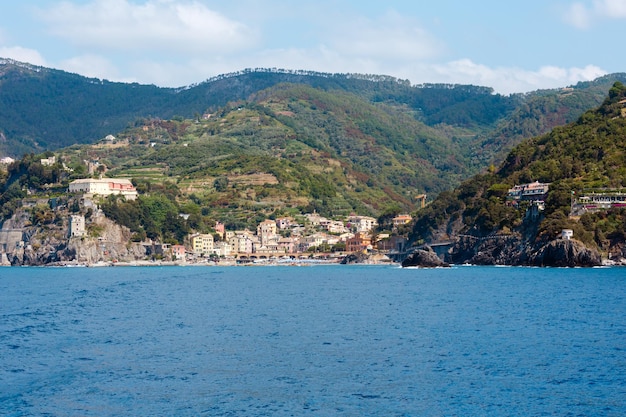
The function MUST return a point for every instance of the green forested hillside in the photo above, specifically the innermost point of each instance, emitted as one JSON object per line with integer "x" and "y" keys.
{"x": 44, "y": 109}
{"x": 291, "y": 147}
{"x": 589, "y": 154}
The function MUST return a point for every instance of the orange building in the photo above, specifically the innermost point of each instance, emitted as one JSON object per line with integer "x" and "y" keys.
{"x": 359, "y": 243}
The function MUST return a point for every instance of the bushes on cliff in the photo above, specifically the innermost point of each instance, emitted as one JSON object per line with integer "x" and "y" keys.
{"x": 155, "y": 217}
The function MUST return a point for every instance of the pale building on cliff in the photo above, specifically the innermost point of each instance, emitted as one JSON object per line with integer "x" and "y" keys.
{"x": 104, "y": 186}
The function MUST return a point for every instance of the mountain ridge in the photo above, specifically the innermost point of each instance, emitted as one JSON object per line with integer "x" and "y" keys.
{"x": 47, "y": 109}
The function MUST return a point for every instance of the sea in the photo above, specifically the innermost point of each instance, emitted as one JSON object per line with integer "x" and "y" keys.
{"x": 318, "y": 340}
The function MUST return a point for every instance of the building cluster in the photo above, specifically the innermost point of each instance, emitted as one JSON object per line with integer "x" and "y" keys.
{"x": 597, "y": 200}
{"x": 283, "y": 236}
{"x": 271, "y": 239}
{"x": 533, "y": 193}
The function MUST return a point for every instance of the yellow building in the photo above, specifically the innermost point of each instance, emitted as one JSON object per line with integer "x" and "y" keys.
{"x": 202, "y": 244}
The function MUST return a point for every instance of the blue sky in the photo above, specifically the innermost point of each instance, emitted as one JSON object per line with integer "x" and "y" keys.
{"x": 512, "y": 46}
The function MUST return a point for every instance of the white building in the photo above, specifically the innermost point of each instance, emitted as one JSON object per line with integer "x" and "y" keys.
{"x": 77, "y": 225}
{"x": 104, "y": 186}
{"x": 363, "y": 223}
{"x": 222, "y": 249}
{"x": 534, "y": 191}
{"x": 315, "y": 219}
{"x": 48, "y": 161}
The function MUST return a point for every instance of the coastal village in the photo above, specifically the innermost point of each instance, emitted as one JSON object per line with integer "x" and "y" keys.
{"x": 309, "y": 237}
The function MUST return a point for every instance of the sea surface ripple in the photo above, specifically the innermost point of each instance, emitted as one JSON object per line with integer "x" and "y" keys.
{"x": 313, "y": 340}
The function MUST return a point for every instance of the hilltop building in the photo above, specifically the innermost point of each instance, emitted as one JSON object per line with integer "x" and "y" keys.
{"x": 104, "y": 186}
{"x": 607, "y": 200}
{"x": 48, "y": 161}
{"x": 534, "y": 191}
{"x": 597, "y": 200}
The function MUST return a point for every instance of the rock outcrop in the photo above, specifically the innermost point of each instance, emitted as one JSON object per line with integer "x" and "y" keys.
{"x": 354, "y": 258}
{"x": 500, "y": 250}
{"x": 566, "y": 253}
{"x": 425, "y": 258}
{"x": 515, "y": 250}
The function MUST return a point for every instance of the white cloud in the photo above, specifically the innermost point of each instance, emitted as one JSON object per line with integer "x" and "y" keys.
{"x": 154, "y": 25}
{"x": 507, "y": 80}
{"x": 18, "y": 53}
{"x": 582, "y": 16}
{"x": 356, "y": 45}
{"x": 390, "y": 37}
{"x": 172, "y": 43}
{"x": 578, "y": 16}
{"x": 615, "y": 9}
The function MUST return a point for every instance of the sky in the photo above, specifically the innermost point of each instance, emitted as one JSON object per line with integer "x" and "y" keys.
{"x": 512, "y": 46}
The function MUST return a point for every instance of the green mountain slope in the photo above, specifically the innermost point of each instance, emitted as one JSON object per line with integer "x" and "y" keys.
{"x": 581, "y": 157}
{"x": 289, "y": 147}
{"x": 540, "y": 112}
{"x": 45, "y": 109}
{"x": 293, "y": 149}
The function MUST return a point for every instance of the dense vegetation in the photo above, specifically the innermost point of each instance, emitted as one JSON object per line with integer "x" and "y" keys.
{"x": 45, "y": 109}
{"x": 589, "y": 154}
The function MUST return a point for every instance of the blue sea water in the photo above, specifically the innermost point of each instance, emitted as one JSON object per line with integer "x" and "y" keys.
{"x": 317, "y": 340}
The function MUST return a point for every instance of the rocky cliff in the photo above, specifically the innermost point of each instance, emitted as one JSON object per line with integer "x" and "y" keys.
{"x": 48, "y": 243}
{"x": 565, "y": 253}
{"x": 514, "y": 250}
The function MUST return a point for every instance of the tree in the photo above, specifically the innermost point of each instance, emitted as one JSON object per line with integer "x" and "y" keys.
{"x": 220, "y": 184}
